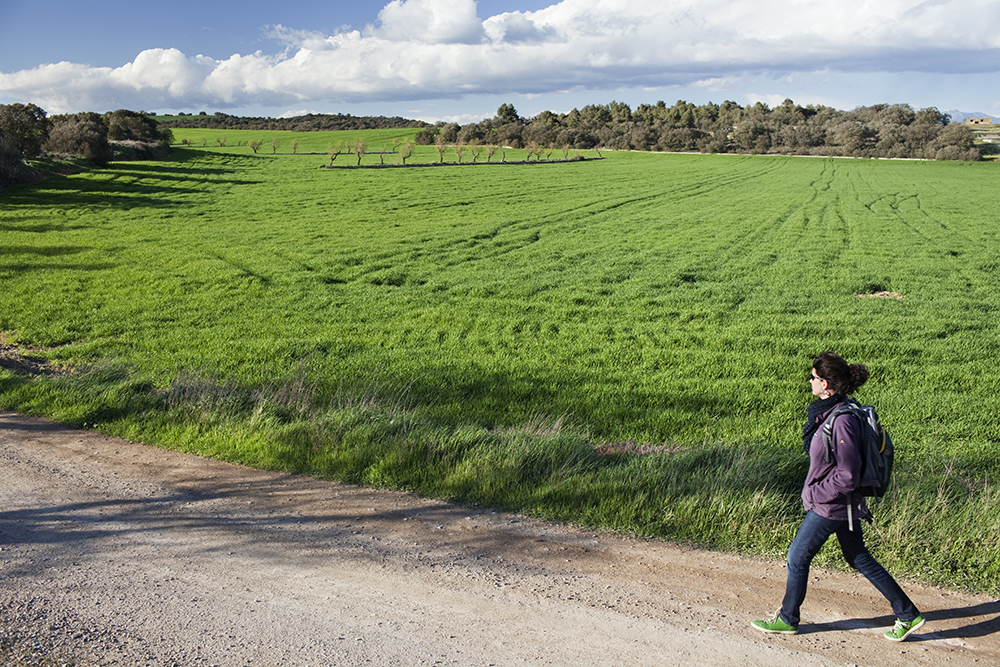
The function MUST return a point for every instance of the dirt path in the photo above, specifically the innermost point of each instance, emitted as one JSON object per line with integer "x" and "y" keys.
{"x": 113, "y": 552}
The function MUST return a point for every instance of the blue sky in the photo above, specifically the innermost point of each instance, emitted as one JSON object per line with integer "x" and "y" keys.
{"x": 460, "y": 59}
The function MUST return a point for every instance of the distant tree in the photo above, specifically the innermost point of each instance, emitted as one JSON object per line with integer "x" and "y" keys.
{"x": 509, "y": 134}
{"x": 222, "y": 142}
{"x": 334, "y": 150}
{"x": 620, "y": 112}
{"x": 491, "y": 150}
{"x": 10, "y": 160}
{"x": 931, "y": 116}
{"x": 275, "y": 143}
{"x": 125, "y": 125}
{"x": 381, "y": 153}
{"x": 476, "y": 151}
{"x": 753, "y": 134}
{"x": 359, "y": 149}
{"x": 854, "y": 137}
{"x": 26, "y": 125}
{"x": 449, "y": 133}
{"x": 471, "y": 134}
{"x": 441, "y": 146}
{"x": 84, "y": 134}
{"x": 426, "y": 136}
{"x": 459, "y": 152}
{"x": 295, "y": 146}
{"x": 507, "y": 114}
{"x": 405, "y": 151}
{"x": 254, "y": 145}
{"x": 956, "y": 135}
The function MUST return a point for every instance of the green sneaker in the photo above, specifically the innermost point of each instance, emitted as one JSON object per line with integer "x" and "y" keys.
{"x": 775, "y": 625}
{"x": 903, "y": 629}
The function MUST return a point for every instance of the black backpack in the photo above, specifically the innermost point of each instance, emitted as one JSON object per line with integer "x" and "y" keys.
{"x": 875, "y": 447}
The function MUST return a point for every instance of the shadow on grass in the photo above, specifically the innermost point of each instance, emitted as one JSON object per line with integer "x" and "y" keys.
{"x": 122, "y": 186}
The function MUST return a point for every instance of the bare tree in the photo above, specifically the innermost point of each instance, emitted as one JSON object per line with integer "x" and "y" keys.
{"x": 503, "y": 153}
{"x": 295, "y": 146}
{"x": 255, "y": 145}
{"x": 334, "y": 150}
{"x": 440, "y": 145}
{"x": 274, "y": 145}
{"x": 405, "y": 151}
{"x": 533, "y": 149}
{"x": 222, "y": 142}
{"x": 381, "y": 154}
{"x": 459, "y": 152}
{"x": 491, "y": 150}
{"x": 476, "y": 151}
{"x": 359, "y": 149}
{"x": 565, "y": 152}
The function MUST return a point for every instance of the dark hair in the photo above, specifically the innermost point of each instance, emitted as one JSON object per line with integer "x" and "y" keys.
{"x": 842, "y": 377}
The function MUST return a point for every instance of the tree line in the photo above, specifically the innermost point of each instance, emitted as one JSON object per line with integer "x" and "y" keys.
{"x": 26, "y": 131}
{"x": 878, "y": 131}
{"x": 306, "y": 123}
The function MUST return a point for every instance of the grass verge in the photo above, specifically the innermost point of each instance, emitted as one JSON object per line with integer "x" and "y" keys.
{"x": 935, "y": 525}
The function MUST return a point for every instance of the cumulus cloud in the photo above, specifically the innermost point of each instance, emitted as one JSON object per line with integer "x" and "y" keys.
{"x": 429, "y": 21}
{"x": 514, "y": 27}
{"x": 423, "y": 49}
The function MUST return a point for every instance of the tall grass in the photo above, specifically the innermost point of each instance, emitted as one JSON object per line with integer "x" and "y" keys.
{"x": 475, "y": 333}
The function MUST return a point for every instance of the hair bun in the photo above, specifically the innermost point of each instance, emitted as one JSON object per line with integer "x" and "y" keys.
{"x": 859, "y": 375}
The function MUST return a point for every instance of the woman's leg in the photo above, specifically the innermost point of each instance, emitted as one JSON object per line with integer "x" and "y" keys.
{"x": 813, "y": 533}
{"x": 856, "y": 554}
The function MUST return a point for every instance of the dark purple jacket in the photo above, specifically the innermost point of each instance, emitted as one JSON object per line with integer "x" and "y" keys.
{"x": 828, "y": 486}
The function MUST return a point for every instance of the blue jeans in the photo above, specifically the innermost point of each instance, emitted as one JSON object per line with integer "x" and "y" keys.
{"x": 813, "y": 533}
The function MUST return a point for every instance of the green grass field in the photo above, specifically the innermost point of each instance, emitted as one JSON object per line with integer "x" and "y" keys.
{"x": 475, "y": 332}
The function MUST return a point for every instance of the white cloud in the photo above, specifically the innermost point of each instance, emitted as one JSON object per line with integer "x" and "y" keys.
{"x": 424, "y": 49}
{"x": 429, "y": 21}
{"x": 295, "y": 113}
{"x": 514, "y": 27}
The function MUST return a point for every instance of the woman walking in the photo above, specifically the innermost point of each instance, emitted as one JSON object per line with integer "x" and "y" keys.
{"x": 831, "y": 504}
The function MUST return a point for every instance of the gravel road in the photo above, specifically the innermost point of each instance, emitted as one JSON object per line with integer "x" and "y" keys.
{"x": 116, "y": 553}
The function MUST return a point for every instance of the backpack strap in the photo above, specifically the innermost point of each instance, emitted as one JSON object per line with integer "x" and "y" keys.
{"x": 847, "y": 407}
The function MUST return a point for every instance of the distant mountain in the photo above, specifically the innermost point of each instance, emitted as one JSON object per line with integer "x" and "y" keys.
{"x": 960, "y": 116}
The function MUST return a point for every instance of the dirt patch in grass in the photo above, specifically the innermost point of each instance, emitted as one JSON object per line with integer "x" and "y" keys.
{"x": 881, "y": 295}
{"x": 24, "y": 360}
